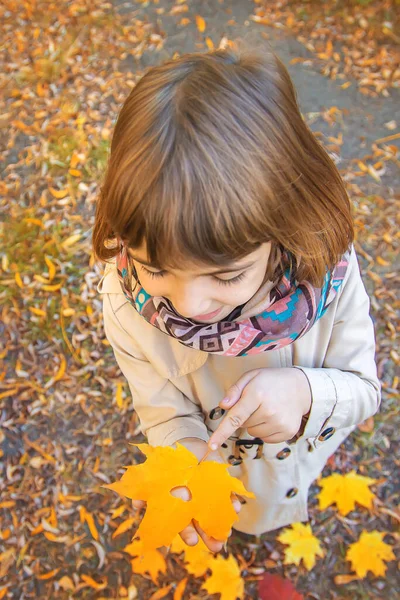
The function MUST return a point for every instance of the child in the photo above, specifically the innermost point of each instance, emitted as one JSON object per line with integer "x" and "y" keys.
{"x": 232, "y": 294}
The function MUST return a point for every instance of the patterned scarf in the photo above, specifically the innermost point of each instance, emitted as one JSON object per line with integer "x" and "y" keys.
{"x": 275, "y": 317}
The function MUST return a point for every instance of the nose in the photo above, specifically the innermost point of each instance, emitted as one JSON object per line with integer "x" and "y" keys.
{"x": 189, "y": 300}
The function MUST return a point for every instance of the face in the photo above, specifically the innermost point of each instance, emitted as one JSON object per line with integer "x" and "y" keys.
{"x": 202, "y": 294}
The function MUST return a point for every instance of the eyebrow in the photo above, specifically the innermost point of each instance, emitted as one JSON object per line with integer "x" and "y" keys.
{"x": 219, "y": 272}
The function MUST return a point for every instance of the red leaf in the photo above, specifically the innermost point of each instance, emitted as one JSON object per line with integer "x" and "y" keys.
{"x": 275, "y": 587}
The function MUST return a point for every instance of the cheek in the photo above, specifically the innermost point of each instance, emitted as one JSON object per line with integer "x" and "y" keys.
{"x": 154, "y": 287}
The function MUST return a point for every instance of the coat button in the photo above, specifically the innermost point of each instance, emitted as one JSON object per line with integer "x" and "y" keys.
{"x": 216, "y": 413}
{"x": 292, "y": 493}
{"x": 328, "y": 433}
{"x": 283, "y": 454}
{"x": 235, "y": 461}
{"x": 248, "y": 446}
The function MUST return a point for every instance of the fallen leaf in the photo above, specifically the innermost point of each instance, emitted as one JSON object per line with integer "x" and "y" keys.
{"x": 118, "y": 395}
{"x": 66, "y": 583}
{"x": 343, "y": 579}
{"x": 197, "y": 557}
{"x": 51, "y": 266}
{"x": 89, "y": 581}
{"x": 166, "y": 468}
{"x": 180, "y": 589}
{"x": 85, "y": 516}
{"x": 124, "y": 526}
{"x": 71, "y": 240}
{"x": 48, "y": 575}
{"x": 345, "y": 491}
{"x": 19, "y": 281}
{"x": 150, "y": 561}
{"x": 52, "y": 288}
{"x": 225, "y": 579}
{"x": 58, "y": 193}
{"x": 369, "y": 554}
{"x": 161, "y": 593}
{"x": 303, "y": 545}
{"x": 275, "y": 587}
{"x": 200, "y": 23}
{"x": 37, "y": 311}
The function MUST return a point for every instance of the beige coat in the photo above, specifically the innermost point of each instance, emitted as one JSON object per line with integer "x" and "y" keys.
{"x": 174, "y": 388}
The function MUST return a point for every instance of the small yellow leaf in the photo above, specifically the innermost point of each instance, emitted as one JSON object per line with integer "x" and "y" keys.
{"x": 117, "y": 512}
{"x": 40, "y": 279}
{"x": 18, "y": 280}
{"x": 51, "y": 266}
{"x": 37, "y": 311}
{"x": 124, "y": 526}
{"x": 68, "y": 312}
{"x": 66, "y": 583}
{"x": 180, "y": 589}
{"x": 161, "y": 593}
{"x": 58, "y": 193}
{"x": 92, "y": 583}
{"x": 381, "y": 261}
{"x": 118, "y": 395}
{"x": 84, "y": 515}
{"x": 48, "y": 575}
{"x": 225, "y": 579}
{"x": 34, "y": 222}
{"x": 71, "y": 240}
{"x": 75, "y": 160}
{"x": 210, "y": 43}
{"x": 345, "y": 491}
{"x": 303, "y": 545}
{"x": 201, "y": 24}
{"x": 369, "y": 554}
{"x": 61, "y": 371}
{"x": 343, "y": 579}
{"x": 75, "y": 172}
{"x": 51, "y": 288}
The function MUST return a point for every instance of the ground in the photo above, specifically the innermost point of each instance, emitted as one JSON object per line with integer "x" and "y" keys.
{"x": 66, "y": 416}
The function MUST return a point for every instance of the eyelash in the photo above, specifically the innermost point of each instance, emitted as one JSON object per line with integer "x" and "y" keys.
{"x": 220, "y": 281}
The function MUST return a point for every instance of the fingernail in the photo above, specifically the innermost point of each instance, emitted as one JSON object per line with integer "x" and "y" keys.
{"x": 213, "y": 446}
{"x": 227, "y": 401}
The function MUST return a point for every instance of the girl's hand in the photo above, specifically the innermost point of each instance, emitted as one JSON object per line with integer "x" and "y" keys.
{"x": 269, "y": 403}
{"x": 191, "y": 533}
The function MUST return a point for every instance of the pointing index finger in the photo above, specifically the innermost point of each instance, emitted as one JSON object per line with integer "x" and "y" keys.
{"x": 231, "y": 422}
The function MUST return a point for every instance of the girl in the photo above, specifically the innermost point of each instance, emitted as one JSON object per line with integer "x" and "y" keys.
{"x": 232, "y": 294}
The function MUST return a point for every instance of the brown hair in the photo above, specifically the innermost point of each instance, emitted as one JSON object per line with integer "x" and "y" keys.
{"x": 210, "y": 158}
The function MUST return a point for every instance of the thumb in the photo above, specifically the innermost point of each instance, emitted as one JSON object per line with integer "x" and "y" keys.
{"x": 234, "y": 393}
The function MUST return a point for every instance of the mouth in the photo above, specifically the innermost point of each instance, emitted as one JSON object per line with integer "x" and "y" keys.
{"x": 208, "y": 316}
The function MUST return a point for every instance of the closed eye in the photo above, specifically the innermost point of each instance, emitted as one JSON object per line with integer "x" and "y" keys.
{"x": 233, "y": 280}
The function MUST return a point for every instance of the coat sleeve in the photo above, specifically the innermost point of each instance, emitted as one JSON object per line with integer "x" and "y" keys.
{"x": 165, "y": 414}
{"x": 346, "y": 391}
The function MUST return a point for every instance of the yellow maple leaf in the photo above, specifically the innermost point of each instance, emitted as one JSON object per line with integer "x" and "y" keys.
{"x": 303, "y": 545}
{"x": 369, "y": 554}
{"x": 166, "y": 468}
{"x": 151, "y": 561}
{"x": 345, "y": 491}
{"x": 225, "y": 579}
{"x": 197, "y": 557}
